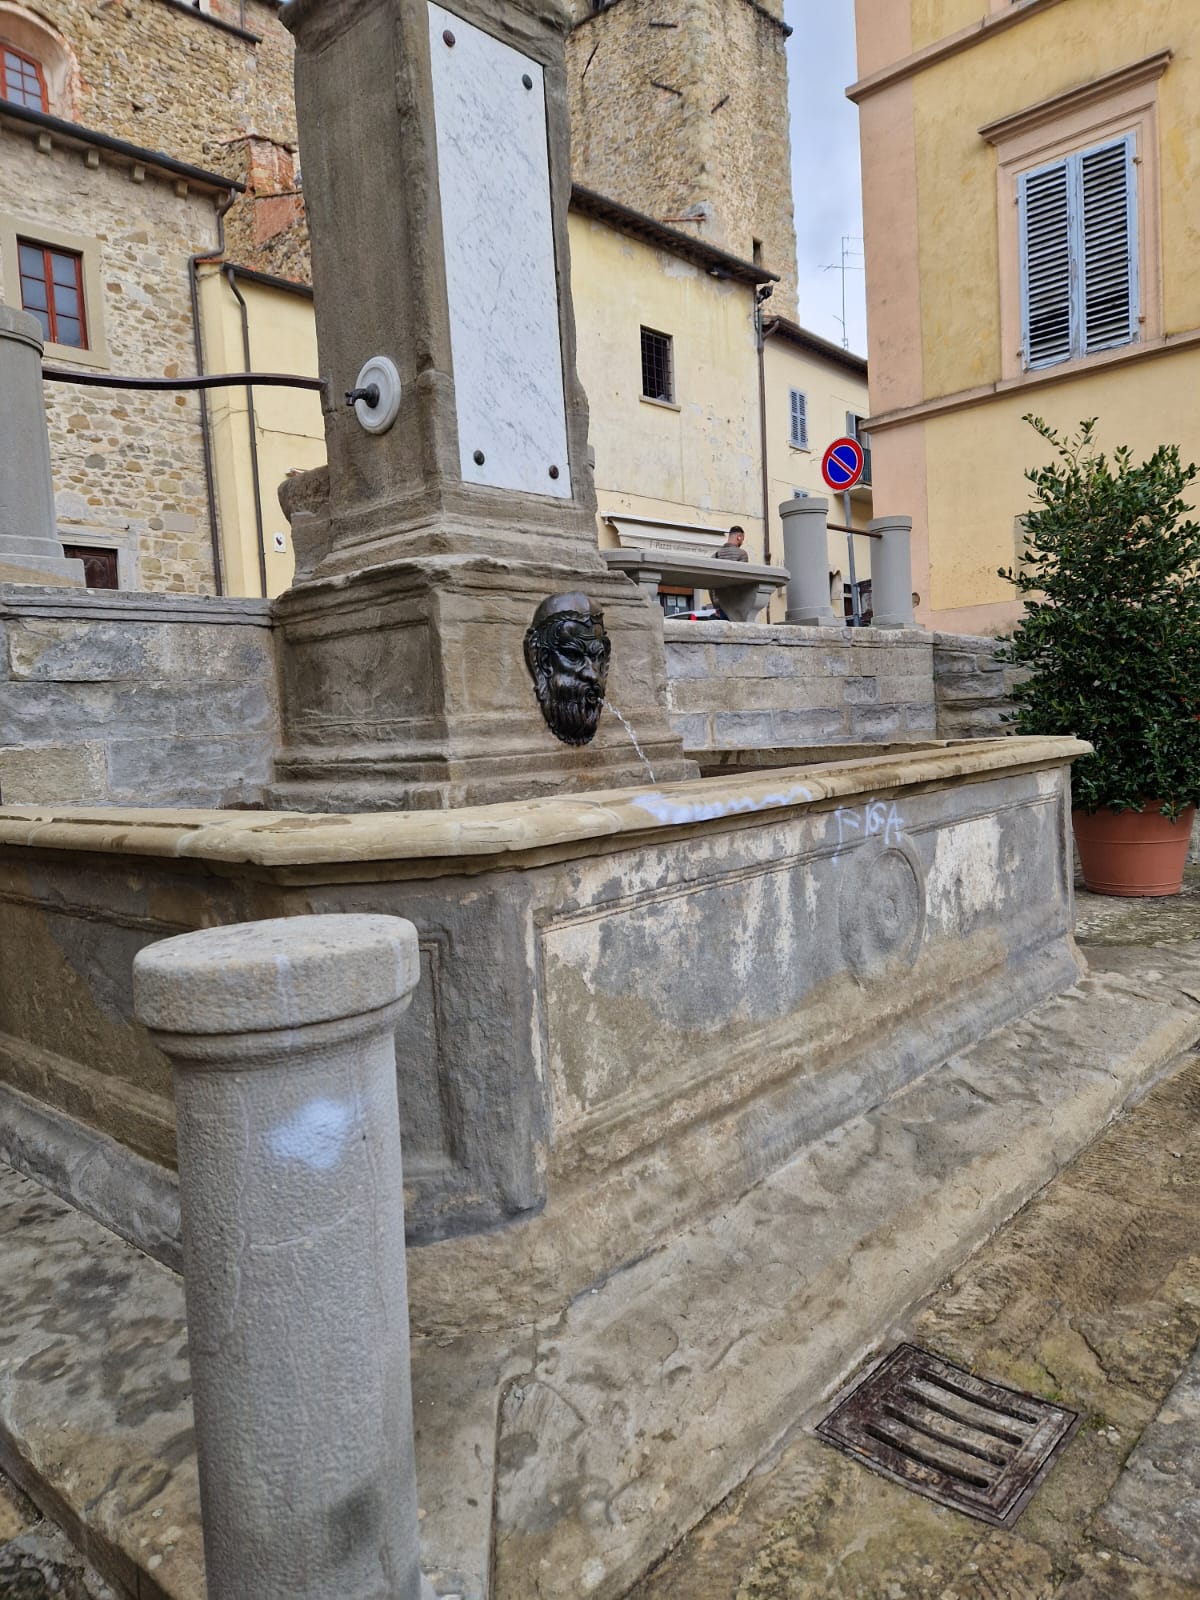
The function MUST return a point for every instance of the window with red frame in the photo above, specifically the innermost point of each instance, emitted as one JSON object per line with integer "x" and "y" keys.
{"x": 22, "y": 80}
{"x": 52, "y": 288}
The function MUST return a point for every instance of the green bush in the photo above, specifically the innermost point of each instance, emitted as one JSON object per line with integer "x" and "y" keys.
{"x": 1111, "y": 631}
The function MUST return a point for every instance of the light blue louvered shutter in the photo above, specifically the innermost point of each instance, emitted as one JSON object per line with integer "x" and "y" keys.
{"x": 799, "y": 423}
{"x": 1108, "y": 203}
{"x": 1047, "y": 275}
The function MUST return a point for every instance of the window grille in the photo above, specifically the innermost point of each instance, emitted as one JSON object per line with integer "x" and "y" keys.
{"x": 22, "y": 80}
{"x": 1079, "y": 268}
{"x": 658, "y": 377}
{"x": 798, "y": 434}
{"x": 52, "y": 289}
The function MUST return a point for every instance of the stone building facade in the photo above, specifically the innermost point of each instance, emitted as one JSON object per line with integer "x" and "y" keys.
{"x": 681, "y": 112}
{"x": 135, "y": 141}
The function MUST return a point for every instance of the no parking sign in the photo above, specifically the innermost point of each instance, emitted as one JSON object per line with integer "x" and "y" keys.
{"x": 842, "y": 464}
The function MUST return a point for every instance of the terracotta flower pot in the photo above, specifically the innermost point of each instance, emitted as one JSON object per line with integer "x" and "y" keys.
{"x": 1133, "y": 852}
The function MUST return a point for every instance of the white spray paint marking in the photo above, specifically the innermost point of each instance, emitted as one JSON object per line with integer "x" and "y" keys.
{"x": 315, "y": 1135}
{"x": 868, "y": 821}
{"x": 663, "y": 809}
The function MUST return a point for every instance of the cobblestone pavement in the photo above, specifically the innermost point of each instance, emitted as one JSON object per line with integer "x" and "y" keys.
{"x": 1090, "y": 1295}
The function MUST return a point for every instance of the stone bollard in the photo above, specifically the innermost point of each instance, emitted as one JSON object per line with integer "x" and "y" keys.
{"x": 891, "y": 573}
{"x": 288, "y": 1136}
{"x": 806, "y": 556}
{"x": 28, "y": 525}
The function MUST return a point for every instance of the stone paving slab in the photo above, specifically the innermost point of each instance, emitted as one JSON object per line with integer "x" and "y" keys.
{"x": 1091, "y": 1297}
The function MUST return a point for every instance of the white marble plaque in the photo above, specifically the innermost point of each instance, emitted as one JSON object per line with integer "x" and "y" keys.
{"x": 494, "y": 174}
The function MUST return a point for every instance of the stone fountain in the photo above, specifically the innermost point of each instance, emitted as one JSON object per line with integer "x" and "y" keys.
{"x": 640, "y": 1001}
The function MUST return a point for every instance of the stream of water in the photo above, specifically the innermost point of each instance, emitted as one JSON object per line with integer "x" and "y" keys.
{"x": 641, "y": 754}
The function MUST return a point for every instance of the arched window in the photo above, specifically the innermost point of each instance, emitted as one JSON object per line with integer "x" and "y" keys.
{"x": 22, "y": 80}
{"x": 37, "y": 67}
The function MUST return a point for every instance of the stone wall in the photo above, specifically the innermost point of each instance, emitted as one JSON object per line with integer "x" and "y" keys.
{"x": 970, "y": 685}
{"x": 747, "y": 686}
{"x": 166, "y": 75}
{"x": 682, "y": 113}
{"x": 135, "y": 699}
{"x": 128, "y": 467}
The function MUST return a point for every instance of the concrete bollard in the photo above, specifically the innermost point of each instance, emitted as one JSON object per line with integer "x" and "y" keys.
{"x": 806, "y": 556}
{"x": 288, "y": 1135}
{"x": 891, "y": 573}
{"x": 28, "y": 525}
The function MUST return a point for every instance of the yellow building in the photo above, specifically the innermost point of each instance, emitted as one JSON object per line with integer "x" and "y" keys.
{"x": 670, "y": 354}
{"x": 1031, "y": 193}
{"x": 255, "y": 323}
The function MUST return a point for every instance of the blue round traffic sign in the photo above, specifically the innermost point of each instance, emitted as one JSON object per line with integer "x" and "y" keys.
{"x": 842, "y": 465}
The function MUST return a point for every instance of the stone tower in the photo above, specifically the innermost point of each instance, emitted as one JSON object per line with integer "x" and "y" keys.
{"x": 679, "y": 109}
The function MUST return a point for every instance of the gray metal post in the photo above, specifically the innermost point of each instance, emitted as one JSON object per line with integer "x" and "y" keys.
{"x": 806, "y": 556}
{"x": 29, "y": 546}
{"x": 891, "y": 573}
{"x": 288, "y": 1133}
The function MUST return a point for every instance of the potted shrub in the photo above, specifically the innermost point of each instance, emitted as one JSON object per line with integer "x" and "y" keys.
{"x": 1110, "y": 641}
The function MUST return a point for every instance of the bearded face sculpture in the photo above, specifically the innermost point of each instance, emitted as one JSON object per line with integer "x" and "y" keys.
{"x": 567, "y": 651}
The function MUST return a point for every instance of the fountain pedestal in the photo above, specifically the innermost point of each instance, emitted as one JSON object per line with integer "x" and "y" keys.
{"x": 437, "y": 183}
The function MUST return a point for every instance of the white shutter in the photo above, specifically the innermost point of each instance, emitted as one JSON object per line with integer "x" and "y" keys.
{"x": 1047, "y": 278}
{"x": 799, "y": 426}
{"x": 1109, "y": 227}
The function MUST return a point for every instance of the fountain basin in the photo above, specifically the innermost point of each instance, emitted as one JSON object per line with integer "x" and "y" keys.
{"x": 634, "y": 1004}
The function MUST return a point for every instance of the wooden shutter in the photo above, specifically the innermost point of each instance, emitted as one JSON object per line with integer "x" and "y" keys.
{"x": 799, "y": 433}
{"x": 1047, "y": 278}
{"x": 1109, "y": 237}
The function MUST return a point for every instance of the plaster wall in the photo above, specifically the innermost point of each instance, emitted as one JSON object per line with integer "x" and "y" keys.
{"x": 288, "y": 427}
{"x": 949, "y": 447}
{"x": 128, "y": 468}
{"x": 696, "y": 460}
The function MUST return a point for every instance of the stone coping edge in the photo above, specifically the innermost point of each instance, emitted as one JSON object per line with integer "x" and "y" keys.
{"x": 61, "y": 604}
{"x": 712, "y": 630}
{"x": 292, "y": 839}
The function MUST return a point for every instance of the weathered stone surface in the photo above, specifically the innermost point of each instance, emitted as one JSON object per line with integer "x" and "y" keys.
{"x": 1090, "y": 1296}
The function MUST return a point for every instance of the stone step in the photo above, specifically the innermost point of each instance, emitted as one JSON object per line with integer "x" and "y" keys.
{"x": 565, "y": 1459}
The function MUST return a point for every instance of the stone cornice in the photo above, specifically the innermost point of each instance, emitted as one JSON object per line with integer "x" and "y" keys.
{"x": 941, "y": 49}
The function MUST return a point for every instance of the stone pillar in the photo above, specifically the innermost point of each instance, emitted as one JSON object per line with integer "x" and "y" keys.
{"x": 29, "y": 547}
{"x": 806, "y": 556}
{"x": 891, "y": 573}
{"x": 431, "y": 542}
{"x": 288, "y": 1132}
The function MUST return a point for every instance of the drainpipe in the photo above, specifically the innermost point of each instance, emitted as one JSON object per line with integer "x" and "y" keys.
{"x": 761, "y": 295}
{"x": 214, "y": 532}
{"x": 230, "y": 276}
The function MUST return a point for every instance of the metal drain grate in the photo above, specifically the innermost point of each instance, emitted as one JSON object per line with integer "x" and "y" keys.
{"x": 976, "y": 1446}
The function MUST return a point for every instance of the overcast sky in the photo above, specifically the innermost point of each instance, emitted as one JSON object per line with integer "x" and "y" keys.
{"x": 825, "y": 172}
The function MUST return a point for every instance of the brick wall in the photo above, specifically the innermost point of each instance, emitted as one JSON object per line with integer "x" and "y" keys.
{"x": 971, "y": 686}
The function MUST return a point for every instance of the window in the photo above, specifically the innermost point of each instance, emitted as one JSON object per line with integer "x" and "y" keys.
{"x": 1079, "y": 278}
{"x": 854, "y": 430}
{"x": 798, "y": 431}
{"x": 22, "y": 80}
{"x": 99, "y": 566}
{"x": 658, "y": 377}
{"x": 52, "y": 289}
{"x": 676, "y": 602}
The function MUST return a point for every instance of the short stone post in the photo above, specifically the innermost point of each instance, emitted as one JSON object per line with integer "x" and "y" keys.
{"x": 288, "y": 1134}
{"x": 29, "y": 547}
{"x": 806, "y": 556}
{"x": 891, "y": 573}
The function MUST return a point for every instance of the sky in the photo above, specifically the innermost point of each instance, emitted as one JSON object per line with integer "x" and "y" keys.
{"x": 825, "y": 174}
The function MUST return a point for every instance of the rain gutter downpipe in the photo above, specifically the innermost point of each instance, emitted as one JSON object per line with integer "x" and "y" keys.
{"x": 761, "y": 295}
{"x": 229, "y": 273}
{"x": 210, "y": 489}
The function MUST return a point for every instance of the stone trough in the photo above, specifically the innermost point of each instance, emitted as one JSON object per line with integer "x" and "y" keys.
{"x": 634, "y": 1006}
